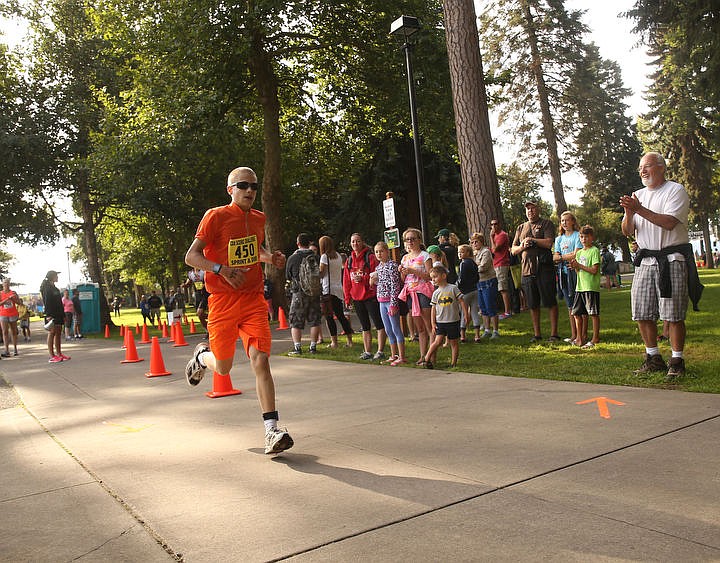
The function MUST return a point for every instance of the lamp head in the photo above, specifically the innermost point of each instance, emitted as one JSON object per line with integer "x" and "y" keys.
{"x": 405, "y": 26}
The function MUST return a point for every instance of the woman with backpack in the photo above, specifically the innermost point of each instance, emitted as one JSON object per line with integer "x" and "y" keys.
{"x": 357, "y": 289}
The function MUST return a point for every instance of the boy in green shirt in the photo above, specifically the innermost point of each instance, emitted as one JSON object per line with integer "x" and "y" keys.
{"x": 587, "y": 293}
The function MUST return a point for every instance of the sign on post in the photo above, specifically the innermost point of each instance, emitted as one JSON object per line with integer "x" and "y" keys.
{"x": 389, "y": 212}
{"x": 392, "y": 238}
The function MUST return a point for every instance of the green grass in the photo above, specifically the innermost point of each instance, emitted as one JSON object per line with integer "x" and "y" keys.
{"x": 133, "y": 318}
{"x": 613, "y": 360}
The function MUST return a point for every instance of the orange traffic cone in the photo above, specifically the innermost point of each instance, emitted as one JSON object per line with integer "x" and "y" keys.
{"x": 124, "y": 333}
{"x": 137, "y": 328}
{"x": 179, "y": 336}
{"x": 193, "y": 330}
{"x": 171, "y": 338}
{"x": 157, "y": 365}
{"x": 145, "y": 336}
{"x": 222, "y": 387}
{"x": 185, "y": 321}
{"x": 163, "y": 327}
{"x": 122, "y": 330}
{"x": 282, "y": 320}
{"x": 131, "y": 354}
{"x": 107, "y": 331}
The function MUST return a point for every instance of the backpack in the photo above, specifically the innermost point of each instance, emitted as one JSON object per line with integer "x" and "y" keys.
{"x": 366, "y": 256}
{"x": 309, "y": 275}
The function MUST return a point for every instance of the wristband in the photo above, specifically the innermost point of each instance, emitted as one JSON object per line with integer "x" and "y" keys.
{"x": 216, "y": 268}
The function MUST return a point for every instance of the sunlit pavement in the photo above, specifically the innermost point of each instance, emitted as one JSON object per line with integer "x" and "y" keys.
{"x": 101, "y": 463}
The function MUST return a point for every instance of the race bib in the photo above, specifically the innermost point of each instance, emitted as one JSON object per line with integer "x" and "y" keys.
{"x": 199, "y": 285}
{"x": 243, "y": 251}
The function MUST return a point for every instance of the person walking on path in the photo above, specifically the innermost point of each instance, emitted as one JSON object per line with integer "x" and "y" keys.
{"x": 228, "y": 245}
{"x": 665, "y": 275}
{"x": 9, "y": 301}
{"x": 54, "y": 316}
{"x": 533, "y": 241}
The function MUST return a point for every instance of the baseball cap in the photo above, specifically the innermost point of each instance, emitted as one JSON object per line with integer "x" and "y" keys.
{"x": 433, "y": 249}
{"x": 531, "y": 202}
{"x": 443, "y": 233}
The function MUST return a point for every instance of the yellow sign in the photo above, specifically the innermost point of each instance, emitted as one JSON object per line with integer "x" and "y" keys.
{"x": 243, "y": 251}
{"x": 392, "y": 238}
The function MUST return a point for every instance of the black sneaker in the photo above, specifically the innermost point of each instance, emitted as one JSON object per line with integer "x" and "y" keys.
{"x": 676, "y": 368}
{"x": 295, "y": 352}
{"x": 535, "y": 339}
{"x": 651, "y": 364}
{"x": 194, "y": 370}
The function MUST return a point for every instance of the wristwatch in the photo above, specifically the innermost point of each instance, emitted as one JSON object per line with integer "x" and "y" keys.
{"x": 216, "y": 268}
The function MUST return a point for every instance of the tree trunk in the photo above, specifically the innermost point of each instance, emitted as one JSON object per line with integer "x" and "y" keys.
{"x": 697, "y": 168}
{"x": 91, "y": 246}
{"x": 547, "y": 120}
{"x": 266, "y": 83}
{"x": 477, "y": 161}
{"x": 709, "y": 258}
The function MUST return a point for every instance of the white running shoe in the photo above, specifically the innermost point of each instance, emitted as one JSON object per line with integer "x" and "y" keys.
{"x": 277, "y": 440}
{"x": 194, "y": 371}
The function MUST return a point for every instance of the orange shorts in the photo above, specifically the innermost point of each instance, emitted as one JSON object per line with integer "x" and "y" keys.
{"x": 232, "y": 315}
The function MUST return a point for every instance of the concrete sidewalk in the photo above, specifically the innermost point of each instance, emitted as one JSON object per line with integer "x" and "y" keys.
{"x": 100, "y": 463}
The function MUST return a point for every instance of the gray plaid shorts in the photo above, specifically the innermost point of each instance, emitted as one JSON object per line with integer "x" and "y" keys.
{"x": 647, "y": 305}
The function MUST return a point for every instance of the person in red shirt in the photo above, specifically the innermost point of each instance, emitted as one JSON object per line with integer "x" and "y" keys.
{"x": 500, "y": 246}
{"x": 9, "y": 316}
{"x": 228, "y": 246}
{"x": 359, "y": 268}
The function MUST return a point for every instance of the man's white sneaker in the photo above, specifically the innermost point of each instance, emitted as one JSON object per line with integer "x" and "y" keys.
{"x": 277, "y": 440}
{"x": 194, "y": 371}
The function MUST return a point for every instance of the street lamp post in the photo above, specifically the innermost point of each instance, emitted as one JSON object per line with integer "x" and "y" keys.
{"x": 67, "y": 249}
{"x": 405, "y": 27}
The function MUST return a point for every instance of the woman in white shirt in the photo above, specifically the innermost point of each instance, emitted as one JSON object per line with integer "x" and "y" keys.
{"x": 331, "y": 274}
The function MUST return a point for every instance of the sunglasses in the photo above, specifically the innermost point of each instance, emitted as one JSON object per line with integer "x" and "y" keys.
{"x": 245, "y": 185}
{"x": 410, "y": 239}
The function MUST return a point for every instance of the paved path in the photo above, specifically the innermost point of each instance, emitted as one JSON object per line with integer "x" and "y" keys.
{"x": 100, "y": 463}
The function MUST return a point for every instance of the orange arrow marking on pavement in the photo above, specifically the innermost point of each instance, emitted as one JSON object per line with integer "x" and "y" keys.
{"x": 602, "y": 403}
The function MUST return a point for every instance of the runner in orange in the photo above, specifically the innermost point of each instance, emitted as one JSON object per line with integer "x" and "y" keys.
{"x": 228, "y": 246}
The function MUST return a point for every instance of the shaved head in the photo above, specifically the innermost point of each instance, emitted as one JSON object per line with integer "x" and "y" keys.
{"x": 241, "y": 174}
